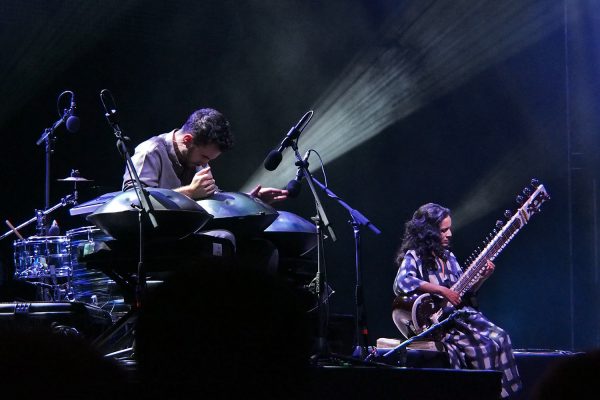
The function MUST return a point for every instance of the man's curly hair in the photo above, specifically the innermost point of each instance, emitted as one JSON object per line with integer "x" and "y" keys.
{"x": 209, "y": 126}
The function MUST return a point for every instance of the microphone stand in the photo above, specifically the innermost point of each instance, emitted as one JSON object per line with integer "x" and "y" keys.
{"x": 49, "y": 138}
{"x": 145, "y": 208}
{"x": 143, "y": 196}
{"x": 321, "y": 286}
{"x": 358, "y": 220}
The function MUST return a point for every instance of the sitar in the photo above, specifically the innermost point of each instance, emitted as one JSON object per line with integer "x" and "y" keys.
{"x": 417, "y": 311}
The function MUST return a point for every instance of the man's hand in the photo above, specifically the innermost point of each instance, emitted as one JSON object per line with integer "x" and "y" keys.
{"x": 269, "y": 195}
{"x": 202, "y": 185}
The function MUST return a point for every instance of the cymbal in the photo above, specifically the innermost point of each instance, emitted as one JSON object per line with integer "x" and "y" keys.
{"x": 75, "y": 179}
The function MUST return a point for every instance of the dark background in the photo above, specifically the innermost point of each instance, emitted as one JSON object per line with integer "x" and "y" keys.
{"x": 505, "y": 95}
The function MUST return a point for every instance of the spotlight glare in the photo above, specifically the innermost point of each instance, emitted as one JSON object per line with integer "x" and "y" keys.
{"x": 427, "y": 50}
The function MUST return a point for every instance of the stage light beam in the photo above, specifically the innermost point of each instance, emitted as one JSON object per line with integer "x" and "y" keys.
{"x": 425, "y": 50}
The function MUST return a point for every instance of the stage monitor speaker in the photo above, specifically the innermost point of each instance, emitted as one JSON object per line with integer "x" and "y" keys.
{"x": 76, "y": 318}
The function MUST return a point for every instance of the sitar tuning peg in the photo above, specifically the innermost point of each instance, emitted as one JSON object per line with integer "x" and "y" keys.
{"x": 527, "y": 191}
{"x": 507, "y": 214}
{"x": 519, "y": 199}
{"x": 499, "y": 224}
{"x": 535, "y": 182}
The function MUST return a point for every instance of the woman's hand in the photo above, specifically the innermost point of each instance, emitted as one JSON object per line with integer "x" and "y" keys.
{"x": 489, "y": 268}
{"x": 452, "y": 296}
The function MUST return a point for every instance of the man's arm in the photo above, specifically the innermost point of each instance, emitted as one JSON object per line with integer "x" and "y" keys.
{"x": 202, "y": 185}
{"x": 147, "y": 166}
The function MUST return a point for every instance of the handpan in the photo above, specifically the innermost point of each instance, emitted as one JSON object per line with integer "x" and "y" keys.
{"x": 240, "y": 213}
{"x": 176, "y": 214}
{"x": 293, "y": 235}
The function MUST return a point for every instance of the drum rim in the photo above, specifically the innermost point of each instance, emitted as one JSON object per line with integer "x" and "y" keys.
{"x": 43, "y": 239}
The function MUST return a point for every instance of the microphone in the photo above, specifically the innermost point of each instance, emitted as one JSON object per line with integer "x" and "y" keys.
{"x": 67, "y": 117}
{"x": 293, "y": 187}
{"x": 72, "y": 123}
{"x": 274, "y": 157}
{"x": 110, "y": 108}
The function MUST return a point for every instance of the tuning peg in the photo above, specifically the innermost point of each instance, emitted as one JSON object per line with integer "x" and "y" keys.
{"x": 527, "y": 191}
{"x": 519, "y": 199}
{"x": 499, "y": 224}
{"x": 535, "y": 182}
{"x": 507, "y": 214}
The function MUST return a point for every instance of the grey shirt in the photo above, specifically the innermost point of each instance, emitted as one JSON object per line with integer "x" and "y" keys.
{"x": 157, "y": 165}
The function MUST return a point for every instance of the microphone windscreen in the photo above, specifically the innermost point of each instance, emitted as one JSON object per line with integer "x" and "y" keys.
{"x": 73, "y": 124}
{"x": 293, "y": 187}
{"x": 273, "y": 159}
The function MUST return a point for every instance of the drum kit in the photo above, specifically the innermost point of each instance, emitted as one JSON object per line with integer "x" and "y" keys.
{"x": 51, "y": 262}
{"x": 56, "y": 264}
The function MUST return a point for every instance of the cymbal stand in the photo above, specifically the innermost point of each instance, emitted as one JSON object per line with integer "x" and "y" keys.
{"x": 358, "y": 220}
{"x": 40, "y": 216}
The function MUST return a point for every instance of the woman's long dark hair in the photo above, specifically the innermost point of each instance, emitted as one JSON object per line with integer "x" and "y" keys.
{"x": 422, "y": 234}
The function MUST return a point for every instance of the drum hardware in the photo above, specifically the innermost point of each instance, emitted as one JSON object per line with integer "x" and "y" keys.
{"x": 90, "y": 285}
{"x": 44, "y": 261}
{"x": 40, "y": 217}
{"x": 75, "y": 177}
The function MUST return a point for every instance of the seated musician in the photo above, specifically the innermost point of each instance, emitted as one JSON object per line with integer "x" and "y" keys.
{"x": 179, "y": 160}
{"x": 426, "y": 265}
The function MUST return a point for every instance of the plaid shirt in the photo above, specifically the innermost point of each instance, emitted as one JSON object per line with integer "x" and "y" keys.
{"x": 472, "y": 341}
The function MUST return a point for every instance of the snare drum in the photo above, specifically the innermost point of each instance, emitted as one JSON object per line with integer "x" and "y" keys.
{"x": 90, "y": 285}
{"x": 42, "y": 257}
